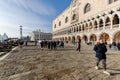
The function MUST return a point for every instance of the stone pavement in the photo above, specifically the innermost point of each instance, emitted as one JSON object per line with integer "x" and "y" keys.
{"x": 32, "y": 63}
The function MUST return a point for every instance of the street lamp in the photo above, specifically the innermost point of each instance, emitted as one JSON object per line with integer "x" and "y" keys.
{"x": 20, "y": 31}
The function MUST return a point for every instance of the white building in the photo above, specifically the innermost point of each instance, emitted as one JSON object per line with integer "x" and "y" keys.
{"x": 89, "y": 20}
{"x": 38, "y": 35}
{"x": 3, "y": 37}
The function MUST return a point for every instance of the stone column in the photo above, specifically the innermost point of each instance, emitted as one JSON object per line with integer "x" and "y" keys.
{"x": 81, "y": 28}
{"x": 111, "y": 38}
{"x": 93, "y": 26}
{"x": 88, "y": 39}
{"x": 111, "y": 23}
{"x": 98, "y": 37}
{"x": 104, "y": 25}
{"x": 89, "y": 27}
{"x": 98, "y": 26}
{"x": 119, "y": 22}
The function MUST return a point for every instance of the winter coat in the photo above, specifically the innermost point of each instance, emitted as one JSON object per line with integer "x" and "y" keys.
{"x": 100, "y": 50}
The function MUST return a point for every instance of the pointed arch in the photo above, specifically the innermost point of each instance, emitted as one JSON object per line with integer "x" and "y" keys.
{"x": 59, "y": 23}
{"x": 80, "y": 28}
{"x": 85, "y": 38}
{"x": 95, "y": 24}
{"x": 115, "y": 19}
{"x": 66, "y": 19}
{"x": 90, "y": 26}
{"x": 101, "y": 23}
{"x": 78, "y": 37}
{"x": 83, "y": 27}
{"x": 93, "y": 38}
{"x": 105, "y": 37}
{"x": 87, "y": 8}
{"x": 74, "y": 17}
{"x": 69, "y": 38}
{"x": 107, "y": 21}
{"x": 86, "y": 26}
{"x": 117, "y": 37}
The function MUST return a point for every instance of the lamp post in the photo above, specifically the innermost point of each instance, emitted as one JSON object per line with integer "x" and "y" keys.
{"x": 20, "y": 31}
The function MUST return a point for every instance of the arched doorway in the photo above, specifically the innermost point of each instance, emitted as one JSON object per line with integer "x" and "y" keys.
{"x": 105, "y": 37}
{"x": 117, "y": 37}
{"x": 69, "y": 38}
{"x": 85, "y": 38}
{"x": 73, "y": 39}
{"x": 65, "y": 38}
{"x": 62, "y": 38}
{"x": 78, "y": 37}
{"x": 93, "y": 38}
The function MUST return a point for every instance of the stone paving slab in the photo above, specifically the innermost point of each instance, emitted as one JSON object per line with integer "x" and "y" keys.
{"x": 32, "y": 63}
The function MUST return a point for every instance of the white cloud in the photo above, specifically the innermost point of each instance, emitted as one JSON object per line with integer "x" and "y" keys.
{"x": 28, "y": 13}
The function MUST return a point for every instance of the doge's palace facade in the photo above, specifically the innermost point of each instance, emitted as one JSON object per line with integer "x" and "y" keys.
{"x": 89, "y": 20}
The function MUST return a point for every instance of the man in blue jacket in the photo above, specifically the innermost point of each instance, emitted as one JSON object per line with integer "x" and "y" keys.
{"x": 100, "y": 50}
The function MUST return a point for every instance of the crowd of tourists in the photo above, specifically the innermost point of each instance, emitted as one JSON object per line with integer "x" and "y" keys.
{"x": 115, "y": 46}
{"x": 51, "y": 44}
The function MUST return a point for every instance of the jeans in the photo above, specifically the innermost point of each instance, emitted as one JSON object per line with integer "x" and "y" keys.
{"x": 103, "y": 62}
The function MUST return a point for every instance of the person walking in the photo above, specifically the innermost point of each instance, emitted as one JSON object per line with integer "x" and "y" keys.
{"x": 114, "y": 45}
{"x": 78, "y": 45}
{"x": 118, "y": 45}
{"x": 100, "y": 50}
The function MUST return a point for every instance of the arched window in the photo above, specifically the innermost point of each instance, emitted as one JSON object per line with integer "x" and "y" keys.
{"x": 55, "y": 26}
{"x": 101, "y": 23}
{"x": 95, "y": 24}
{"x": 115, "y": 19}
{"x": 110, "y": 1}
{"x": 107, "y": 22}
{"x": 86, "y": 27}
{"x": 90, "y": 25}
{"x": 66, "y": 19}
{"x": 59, "y": 23}
{"x": 115, "y": 0}
{"x": 87, "y": 8}
{"x": 74, "y": 17}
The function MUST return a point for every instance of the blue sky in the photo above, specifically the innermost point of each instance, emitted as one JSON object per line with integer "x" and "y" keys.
{"x": 31, "y": 14}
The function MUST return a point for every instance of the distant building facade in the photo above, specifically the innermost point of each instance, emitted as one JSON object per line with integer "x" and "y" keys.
{"x": 89, "y": 20}
{"x": 39, "y": 35}
{"x": 27, "y": 38}
{"x": 3, "y": 37}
